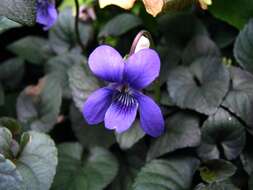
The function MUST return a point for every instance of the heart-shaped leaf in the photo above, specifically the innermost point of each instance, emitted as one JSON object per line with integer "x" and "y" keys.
{"x": 37, "y": 161}
{"x": 217, "y": 186}
{"x": 199, "y": 46}
{"x": 5, "y": 141}
{"x": 237, "y": 13}
{"x": 77, "y": 169}
{"x": 178, "y": 29}
{"x": 119, "y": 25}
{"x": 21, "y": 11}
{"x": 216, "y": 170}
{"x": 60, "y": 65}
{"x": 10, "y": 124}
{"x": 240, "y": 97}
{"x": 174, "y": 173}
{"x": 11, "y": 67}
{"x": 62, "y": 36}
{"x": 82, "y": 84}
{"x": 34, "y": 165}
{"x": 224, "y": 131}
{"x": 243, "y": 47}
{"x": 130, "y": 137}
{"x": 131, "y": 161}
{"x": 6, "y": 24}
{"x": 89, "y": 136}
{"x": 200, "y": 87}
{"x": 40, "y": 111}
{"x": 32, "y": 49}
{"x": 247, "y": 159}
{"x": 10, "y": 179}
{"x": 182, "y": 131}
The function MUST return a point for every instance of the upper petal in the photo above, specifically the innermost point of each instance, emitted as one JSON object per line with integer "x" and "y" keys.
{"x": 46, "y": 15}
{"x": 96, "y": 105}
{"x": 151, "y": 117}
{"x": 122, "y": 113}
{"x": 142, "y": 68}
{"x": 106, "y": 63}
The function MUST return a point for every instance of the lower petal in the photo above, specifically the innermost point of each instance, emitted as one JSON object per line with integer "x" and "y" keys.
{"x": 151, "y": 117}
{"x": 96, "y": 105}
{"x": 121, "y": 114}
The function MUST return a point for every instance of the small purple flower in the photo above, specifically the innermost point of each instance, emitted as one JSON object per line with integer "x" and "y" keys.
{"x": 46, "y": 13}
{"x": 118, "y": 103}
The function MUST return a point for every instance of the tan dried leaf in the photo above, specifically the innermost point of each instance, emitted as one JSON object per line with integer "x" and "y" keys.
{"x": 125, "y": 4}
{"x": 205, "y": 3}
{"x": 154, "y": 7}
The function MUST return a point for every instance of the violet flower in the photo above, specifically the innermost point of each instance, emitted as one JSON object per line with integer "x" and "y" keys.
{"x": 117, "y": 104}
{"x": 46, "y": 13}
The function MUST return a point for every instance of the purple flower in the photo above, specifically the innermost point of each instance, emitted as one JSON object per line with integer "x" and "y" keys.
{"x": 118, "y": 103}
{"x": 46, "y": 13}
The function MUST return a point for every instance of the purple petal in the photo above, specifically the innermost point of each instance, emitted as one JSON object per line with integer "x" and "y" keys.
{"x": 46, "y": 14}
{"x": 96, "y": 105}
{"x": 121, "y": 114}
{"x": 106, "y": 63}
{"x": 151, "y": 117}
{"x": 142, "y": 68}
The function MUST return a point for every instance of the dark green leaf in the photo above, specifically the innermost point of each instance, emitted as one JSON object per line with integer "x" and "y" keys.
{"x": 199, "y": 46}
{"x": 222, "y": 133}
{"x": 5, "y": 141}
{"x": 240, "y": 97}
{"x": 82, "y": 84}
{"x": 182, "y": 131}
{"x": 63, "y": 37}
{"x": 89, "y": 136}
{"x": 217, "y": 186}
{"x": 250, "y": 183}
{"x": 131, "y": 162}
{"x": 40, "y": 112}
{"x": 131, "y": 136}
{"x": 32, "y": 49}
{"x": 77, "y": 169}
{"x": 10, "y": 179}
{"x": 10, "y": 68}
{"x": 6, "y": 24}
{"x": 21, "y": 11}
{"x": 119, "y": 25}
{"x": 178, "y": 30}
{"x": 200, "y": 87}
{"x": 216, "y": 170}
{"x": 10, "y": 124}
{"x": 1, "y": 95}
{"x": 236, "y": 13}
{"x": 60, "y": 65}
{"x": 174, "y": 173}
{"x": 247, "y": 159}
{"x": 244, "y": 47}
{"x": 37, "y": 162}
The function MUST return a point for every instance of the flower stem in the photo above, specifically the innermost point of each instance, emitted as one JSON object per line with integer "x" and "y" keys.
{"x": 78, "y": 37}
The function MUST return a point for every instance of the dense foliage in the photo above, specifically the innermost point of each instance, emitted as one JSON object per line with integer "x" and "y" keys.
{"x": 204, "y": 89}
